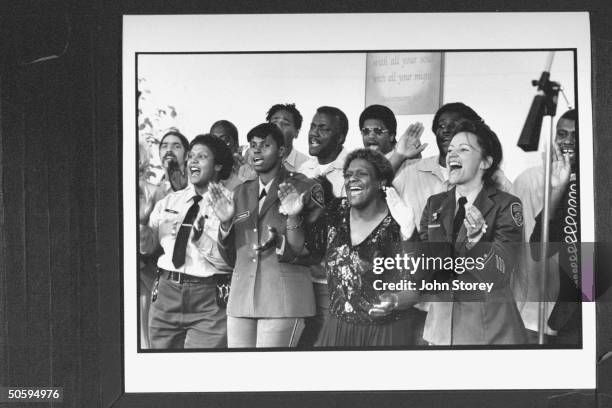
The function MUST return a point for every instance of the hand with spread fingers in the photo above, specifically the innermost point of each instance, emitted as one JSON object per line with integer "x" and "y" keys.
{"x": 561, "y": 169}
{"x": 474, "y": 223}
{"x": 409, "y": 144}
{"x": 292, "y": 202}
{"x": 145, "y": 204}
{"x": 221, "y": 202}
{"x": 176, "y": 176}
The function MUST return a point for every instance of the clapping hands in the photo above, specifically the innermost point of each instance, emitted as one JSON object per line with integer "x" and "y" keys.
{"x": 292, "y": 202}
{"x": 221, "y": 202}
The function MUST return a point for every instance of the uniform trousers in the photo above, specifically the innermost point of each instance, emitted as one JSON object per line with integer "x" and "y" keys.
{"x": 264, "y": 332}
{"x": 186, "y": 315}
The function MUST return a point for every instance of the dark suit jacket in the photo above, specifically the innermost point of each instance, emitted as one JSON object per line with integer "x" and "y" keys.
{"x": 478, "y": 317}
{"x": 269, "y": 284}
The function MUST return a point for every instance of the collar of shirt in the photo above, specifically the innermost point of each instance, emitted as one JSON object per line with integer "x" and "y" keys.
{"x": 431, "y": 165}
{"x": 291, "y": 158}
{"x": 470, "y": 197}
{"x": 312, "y": 168}
{"x": 337, "y": 164}
{"x": 266, "y": 186}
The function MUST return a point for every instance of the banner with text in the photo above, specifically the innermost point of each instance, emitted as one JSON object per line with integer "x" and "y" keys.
{"x": 409, "y": 83}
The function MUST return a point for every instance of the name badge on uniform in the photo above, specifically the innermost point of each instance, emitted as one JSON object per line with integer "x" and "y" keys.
{"x": 171, "y": 211}
{"x": 433, "y": 226}
{"x": 242, "y": 216}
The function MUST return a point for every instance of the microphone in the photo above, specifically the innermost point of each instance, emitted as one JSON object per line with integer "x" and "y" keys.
{"x": 543, "y": 104}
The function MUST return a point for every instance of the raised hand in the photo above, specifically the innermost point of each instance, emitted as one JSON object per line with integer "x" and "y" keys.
{"x": 145, "y": 204}
{"x": 409, "y": 144}
{"x": 246, "y": 171}
{"x": 561, "y": 169}
{"x": 221, "y": 202}
{"x": 176, "y": 176}
{"x": 292, "y": 202}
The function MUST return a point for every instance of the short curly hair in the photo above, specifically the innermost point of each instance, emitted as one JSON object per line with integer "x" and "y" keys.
{"x": 221, "y": 153}
{"x": 289, "y": 107}
{"x": 382, "y": 166}
{"x": 382, "y": 113}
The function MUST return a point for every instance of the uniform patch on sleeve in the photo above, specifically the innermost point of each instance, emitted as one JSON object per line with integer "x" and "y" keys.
{"x": 316, "y": 194}
{"x": 517, "y": 213}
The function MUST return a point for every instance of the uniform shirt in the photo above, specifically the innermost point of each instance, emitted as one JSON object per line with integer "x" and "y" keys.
{"x": 470, "y": 197}
{"x": 202, "y": 257}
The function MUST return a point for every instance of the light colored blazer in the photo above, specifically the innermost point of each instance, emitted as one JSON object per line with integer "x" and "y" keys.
{"x": 273, "y": 283}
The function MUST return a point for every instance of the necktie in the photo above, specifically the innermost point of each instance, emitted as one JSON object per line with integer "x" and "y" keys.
{"x": 458, "y": 221}
{"x": 262, "y": 198}
{"x": 180, "y": 245}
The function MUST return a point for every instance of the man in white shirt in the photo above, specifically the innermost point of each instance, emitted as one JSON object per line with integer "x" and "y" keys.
{"x": 326, "y": 138}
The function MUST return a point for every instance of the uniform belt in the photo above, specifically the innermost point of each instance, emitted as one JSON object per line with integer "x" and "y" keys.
{"x": 179, "y": 277}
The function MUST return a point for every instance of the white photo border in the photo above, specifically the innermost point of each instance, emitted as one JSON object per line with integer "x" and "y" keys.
{"x": 371, "y": 369}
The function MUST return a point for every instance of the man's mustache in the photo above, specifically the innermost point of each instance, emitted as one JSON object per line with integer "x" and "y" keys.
{"x": 171, "y": 156}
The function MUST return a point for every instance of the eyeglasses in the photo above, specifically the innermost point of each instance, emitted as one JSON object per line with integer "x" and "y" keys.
{"x": 376, "y": 130}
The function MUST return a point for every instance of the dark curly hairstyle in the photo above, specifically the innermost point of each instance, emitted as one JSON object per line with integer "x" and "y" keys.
{"x": 289, "y": 107}
{"x": 488, "y": 142}
{"x": 221, "y": 153}
{"x": 381, "y": 113}
{"x": 382, "y": 166}
{"x": 457, "y": 107}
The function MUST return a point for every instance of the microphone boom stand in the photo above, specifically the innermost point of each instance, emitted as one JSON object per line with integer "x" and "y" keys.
{"x": 544, "y": 104}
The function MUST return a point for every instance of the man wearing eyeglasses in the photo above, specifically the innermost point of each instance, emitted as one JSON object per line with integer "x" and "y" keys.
{"x": 378, "y": 129}
{"x": 564, "y": 319}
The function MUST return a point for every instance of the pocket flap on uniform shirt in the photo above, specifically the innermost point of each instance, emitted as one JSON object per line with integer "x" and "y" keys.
{"x": 242, "y": 216}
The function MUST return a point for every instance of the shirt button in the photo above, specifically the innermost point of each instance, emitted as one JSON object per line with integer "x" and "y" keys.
{"x": 254, "y": 260}
{"x": 254, "y": 229}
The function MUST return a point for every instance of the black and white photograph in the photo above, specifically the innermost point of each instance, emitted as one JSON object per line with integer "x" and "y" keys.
{"x": 305, "y": 204}
{"x": 304, "y": 199}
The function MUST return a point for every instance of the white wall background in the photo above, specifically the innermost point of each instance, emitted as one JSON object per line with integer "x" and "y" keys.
{"x": 241, "y": 87}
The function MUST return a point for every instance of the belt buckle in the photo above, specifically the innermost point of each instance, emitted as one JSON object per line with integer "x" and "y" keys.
{"x": 179, "y": 278}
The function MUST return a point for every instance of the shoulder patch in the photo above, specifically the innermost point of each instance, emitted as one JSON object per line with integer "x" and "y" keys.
{"x": 316, "y": 195}
{"x": 517, "y": 213}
